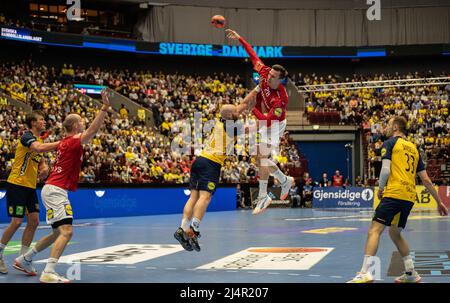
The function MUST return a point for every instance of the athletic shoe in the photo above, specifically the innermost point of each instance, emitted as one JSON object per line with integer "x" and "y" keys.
{"x": 409, "y": 277}
{"x": 362, "y": 278}
{"x": 261, "y": 205}
{"x": 193, "y": 238}
{"x": 285, "y": 187}
{"x": 52, "y": 277}
{"x": 181, "y": 237}
{"x": 3, "y": 268}
{"x": 24, "y": 266}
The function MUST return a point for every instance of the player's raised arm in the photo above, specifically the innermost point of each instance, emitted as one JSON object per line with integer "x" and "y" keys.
{"x": 249, "y": 101}
{"x": 257, "y": 63}
{"x": 88, "y": 134}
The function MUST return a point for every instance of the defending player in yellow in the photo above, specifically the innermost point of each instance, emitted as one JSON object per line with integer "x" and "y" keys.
{"x": 21, "y": 197}
{"x": 205, "y": 175}
{"x": 397, "y": 191}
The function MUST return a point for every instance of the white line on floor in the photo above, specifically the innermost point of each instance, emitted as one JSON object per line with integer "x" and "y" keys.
{"x": 337, "y": 277}
{"x": 323, "y": 218}
{"x": 130, "y": 266}
{"x": 150, "y": 267}
{"x": 111, "y": 266}
{"x": 252, "y": 272}
{"x": 91, "y": 265}
{"x": 273, "y": 273}
{"x": 232, "y": 271}
{"x": 293, "y": 274}
{"x": 314, "y": 275}
{"x": 170, "y": 268}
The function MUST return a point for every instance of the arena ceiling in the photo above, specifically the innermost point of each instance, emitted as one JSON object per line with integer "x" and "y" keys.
{"x": 289, "y": 4}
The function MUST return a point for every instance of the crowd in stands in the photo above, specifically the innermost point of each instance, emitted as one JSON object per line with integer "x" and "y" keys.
{"x": 130, "y": 151}
{"x": 126, "y": 151}
{"x": 426, "y": 109}
{"x": 50, "y": 25}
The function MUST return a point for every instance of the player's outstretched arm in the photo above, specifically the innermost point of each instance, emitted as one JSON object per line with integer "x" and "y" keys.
{"x": 39, "y": 147}
{"x": 275, "y": 113}
{"x": 257, "y": 63}
{"x": 249, "y": 101}
{"x": 89, "y": 133}
{"x": 426, "y": 181}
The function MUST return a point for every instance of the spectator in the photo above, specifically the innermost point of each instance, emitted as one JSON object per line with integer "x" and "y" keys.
{"x": 307, "y": 192}
{"x": 324, "y": 181}
{"x": 359, "y": 182}
{"x": 240, "y": 197}
{"x": 295, "y": 196}
{"x": 123, "y": 112}
{"x": 337, "y": 179}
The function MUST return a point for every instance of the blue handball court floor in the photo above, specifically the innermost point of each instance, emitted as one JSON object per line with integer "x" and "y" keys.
{"x": 280, "y": 246}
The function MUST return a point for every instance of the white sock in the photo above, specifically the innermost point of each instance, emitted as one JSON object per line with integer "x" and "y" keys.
{"x": 30, "y": 254}
{"x": 195, "y": 224}
{"x": 24, "y": 249}
{"x": 262, "y": 188}
{"x": 279, "y": 176}
{"x": 366, "y": 264}
{"x": 185, "y": 224}
{"x": 2, "y": 248}
{"x": 51, "y": 264}
{"x": 409, "y": 264}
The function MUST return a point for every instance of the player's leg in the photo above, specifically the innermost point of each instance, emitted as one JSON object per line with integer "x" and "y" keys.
{"x": 207, "y": 184}
{"x": 188, "y": 209}
{"x": 181, "y": 233}
{"x": 27, "y": 238}
{"x": 386, "y": 213}
{"x": 15, "y": 205}
{"x": 264, "y": 170}
{"x": 24, "y": 261}
{"x": 6, "y": 237}
{"x": 65, "y": 232}
{"x": 410, "y": 275}
{"x": 32, "y": 221}
{"x": 277, "y": 131}
{"x": 60, "y": 217}
{"x": 373, "y": 240}
{"x": 199, "y": 212}
{"x": 30, "y": 230}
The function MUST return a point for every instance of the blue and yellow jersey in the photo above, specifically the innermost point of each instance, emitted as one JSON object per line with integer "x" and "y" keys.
{"x": 217, "y": 144}
{"x": 406, "y": 162}
{"x": 26, "y": 162}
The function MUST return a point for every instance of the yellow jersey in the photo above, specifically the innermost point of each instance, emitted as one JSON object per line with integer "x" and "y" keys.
{"x": 26, "y": 162}
{"x": 406, "y": 162}
{"x": 218, "y": 144}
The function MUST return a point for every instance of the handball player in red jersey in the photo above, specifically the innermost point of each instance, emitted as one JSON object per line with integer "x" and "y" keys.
{"x": 270, "y": 109}
{"x": 63, "y": 178}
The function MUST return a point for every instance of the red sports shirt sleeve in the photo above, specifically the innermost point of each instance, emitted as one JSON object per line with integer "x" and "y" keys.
{"x": 277, "y": 112}
{"x": 257, "y": 63}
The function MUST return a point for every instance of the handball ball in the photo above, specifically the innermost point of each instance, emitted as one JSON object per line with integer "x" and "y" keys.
{"x": 218, "y": 21}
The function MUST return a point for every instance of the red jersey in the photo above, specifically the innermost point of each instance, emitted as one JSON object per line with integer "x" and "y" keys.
{"x": 66, "y": 170}
{"x": 274, "y": 101}
{"x": 337, "y": 181}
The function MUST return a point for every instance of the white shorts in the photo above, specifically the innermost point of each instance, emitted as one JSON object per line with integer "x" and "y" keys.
{"x": 57, "y": 204}
{"x": 272, "y": 135}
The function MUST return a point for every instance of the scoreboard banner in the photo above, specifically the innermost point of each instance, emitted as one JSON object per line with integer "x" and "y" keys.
{"x": 209, "y": 50}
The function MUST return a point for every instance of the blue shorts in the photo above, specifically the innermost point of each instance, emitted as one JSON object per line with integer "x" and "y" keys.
{"x": 392, "y": 211}
{"x": 205, "y": 175}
